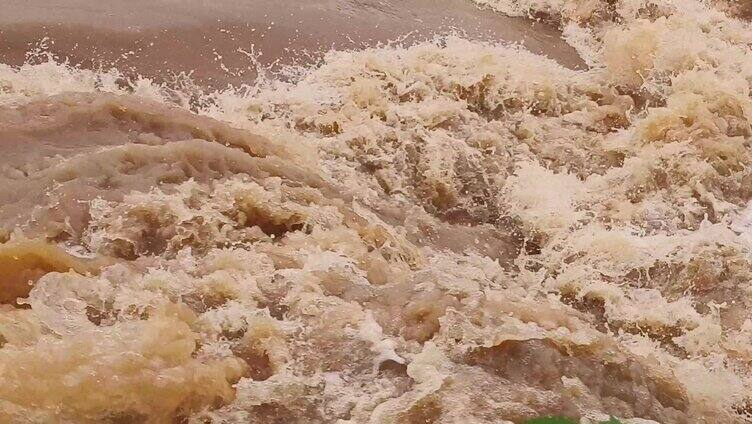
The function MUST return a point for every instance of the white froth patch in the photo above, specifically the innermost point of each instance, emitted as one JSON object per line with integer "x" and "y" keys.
{"x": 628, "y": 185}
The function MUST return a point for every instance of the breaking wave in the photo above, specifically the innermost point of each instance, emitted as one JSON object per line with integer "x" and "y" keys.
{"x": 451, "y": 231}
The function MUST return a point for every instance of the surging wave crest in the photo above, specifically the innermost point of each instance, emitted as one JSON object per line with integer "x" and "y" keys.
{"x": 446, "y": 232}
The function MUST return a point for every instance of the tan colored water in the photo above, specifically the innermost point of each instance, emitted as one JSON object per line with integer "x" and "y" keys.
{"x": 446, "y": 231}
{"x": 212, "y": 40}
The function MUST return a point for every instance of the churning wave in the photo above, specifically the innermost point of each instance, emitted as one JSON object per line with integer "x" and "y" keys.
{"x": 446, "y": 232}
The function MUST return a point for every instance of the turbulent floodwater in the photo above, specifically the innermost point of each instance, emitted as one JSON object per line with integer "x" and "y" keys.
{"x": 453, "y": 231}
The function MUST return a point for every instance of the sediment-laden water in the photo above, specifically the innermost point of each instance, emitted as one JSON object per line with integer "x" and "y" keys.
{"x": 443, "y": 231}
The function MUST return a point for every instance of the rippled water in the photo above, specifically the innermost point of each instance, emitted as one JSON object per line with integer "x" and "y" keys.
{"x": 446, "y": 230}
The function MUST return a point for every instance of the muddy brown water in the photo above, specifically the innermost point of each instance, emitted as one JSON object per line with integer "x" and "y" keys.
{"x": 440, "y": 233}
{"x": 213, "y": 40}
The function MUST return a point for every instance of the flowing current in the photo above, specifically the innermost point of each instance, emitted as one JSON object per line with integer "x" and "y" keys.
{"x": 446, "y": 229}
